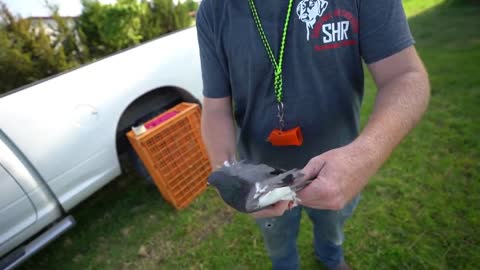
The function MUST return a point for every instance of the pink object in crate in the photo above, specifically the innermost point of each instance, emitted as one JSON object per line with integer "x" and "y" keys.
{"x": 155, "y": 122}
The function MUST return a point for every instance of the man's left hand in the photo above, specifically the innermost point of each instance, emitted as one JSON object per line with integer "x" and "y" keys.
{"x": 339, "y": 175}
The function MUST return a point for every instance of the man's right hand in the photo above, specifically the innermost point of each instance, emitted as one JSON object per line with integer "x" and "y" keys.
{"x": 218, "y": 130}
{"x": 276, "y": 210}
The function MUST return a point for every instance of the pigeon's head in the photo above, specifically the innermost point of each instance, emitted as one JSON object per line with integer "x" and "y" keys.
{"x": 233, "y": 189}
{"x": 222, "y": 181}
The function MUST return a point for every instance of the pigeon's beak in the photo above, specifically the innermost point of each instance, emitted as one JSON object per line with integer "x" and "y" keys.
{"x": 214, "y": 178}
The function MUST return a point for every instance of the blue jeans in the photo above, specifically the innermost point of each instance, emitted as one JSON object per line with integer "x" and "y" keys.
{"x": 280, "y": 236}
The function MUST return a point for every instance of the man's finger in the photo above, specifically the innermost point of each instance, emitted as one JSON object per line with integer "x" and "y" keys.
{"x": 311, "y": 192}
{"x": 275, "y": 210}
{"x": 280, "y": 207}
{"x": 264, "y": 213}
{"x": 314, "y": 195}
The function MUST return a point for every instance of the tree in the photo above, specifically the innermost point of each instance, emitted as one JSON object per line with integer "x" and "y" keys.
{"x": 68, "y": 36}
{"x": 26, "y": 52}
{"x": 109, "y": 28}
{"x": 163, "y": 16}
{"x": 191, "y": 5}
{"x": 16, "y": 68}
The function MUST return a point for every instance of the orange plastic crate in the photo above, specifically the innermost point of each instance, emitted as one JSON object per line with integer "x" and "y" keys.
{"x": 174, "y": 155}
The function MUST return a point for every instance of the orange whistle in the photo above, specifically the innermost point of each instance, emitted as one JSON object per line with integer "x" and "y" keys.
{"x": 291, "y": 137}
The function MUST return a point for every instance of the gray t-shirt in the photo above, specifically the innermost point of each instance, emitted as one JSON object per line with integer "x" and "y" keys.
{"x": 322, "y": 70}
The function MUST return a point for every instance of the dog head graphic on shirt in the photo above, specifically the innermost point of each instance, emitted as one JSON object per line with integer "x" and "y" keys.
{"x": 309, "y": 10}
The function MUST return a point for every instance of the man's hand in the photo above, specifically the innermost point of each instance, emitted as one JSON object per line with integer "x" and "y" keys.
{"x": 218, "y": 131}
{"x": 339, "y": 175}
{"x": 275, "y": 210}
{"x": 402, "y": 98}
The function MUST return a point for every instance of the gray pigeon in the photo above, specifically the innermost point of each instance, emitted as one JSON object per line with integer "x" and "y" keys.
{"x": 249, "y": 188}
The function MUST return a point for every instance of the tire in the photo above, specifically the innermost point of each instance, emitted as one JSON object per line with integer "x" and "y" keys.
{"x": 139, "y": 167}
{"x": 135, "y": 118}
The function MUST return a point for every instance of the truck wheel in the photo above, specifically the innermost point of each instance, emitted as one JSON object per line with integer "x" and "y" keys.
{"x": 139, "y": 167}
{"x": 138, "y": 112}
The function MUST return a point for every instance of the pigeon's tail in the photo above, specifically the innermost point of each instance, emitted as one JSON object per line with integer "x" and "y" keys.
{"x": 301, "y": 181}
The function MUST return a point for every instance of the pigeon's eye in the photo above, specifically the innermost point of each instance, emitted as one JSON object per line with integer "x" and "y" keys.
{"x": 268, "y": 225}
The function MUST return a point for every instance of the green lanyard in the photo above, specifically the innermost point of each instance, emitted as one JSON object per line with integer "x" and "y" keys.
{"x": 277, "y": 65}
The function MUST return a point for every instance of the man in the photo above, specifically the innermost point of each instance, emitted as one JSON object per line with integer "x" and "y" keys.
{"x": 313, "y": 83}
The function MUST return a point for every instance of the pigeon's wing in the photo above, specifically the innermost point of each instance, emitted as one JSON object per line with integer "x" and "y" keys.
{"x": 300, "y": 182}
{"x": 276, "y": 186}
{"x": 241, "y": 184}
{"x": 282, "y": 179}
{"x": 252, "y": 173}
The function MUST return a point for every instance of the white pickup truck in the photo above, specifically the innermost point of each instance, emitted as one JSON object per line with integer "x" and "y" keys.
{"x": 60, "y": 138}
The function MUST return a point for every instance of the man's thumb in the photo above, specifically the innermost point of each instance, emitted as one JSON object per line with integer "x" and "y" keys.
{"x": 313, "y": 168}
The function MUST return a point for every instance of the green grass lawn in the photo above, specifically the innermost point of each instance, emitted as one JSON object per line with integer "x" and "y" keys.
{"x": 421, "y": 211}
